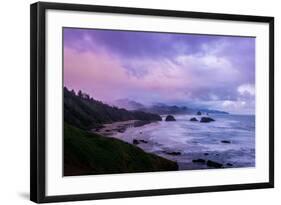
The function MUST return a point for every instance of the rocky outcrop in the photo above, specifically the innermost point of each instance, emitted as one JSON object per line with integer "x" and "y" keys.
{"x": 214, "y": 164}
{"x": 206, "y": 119}
{"x": 136, "y": 142}
{"x": 194, "y": 119}
{"x": 172, "y": 153}
{"x": 211, "y": 163}
{"x": 199, "y": 161}
{"x": 144, "y": 141}
{"x": 170, "y": 118}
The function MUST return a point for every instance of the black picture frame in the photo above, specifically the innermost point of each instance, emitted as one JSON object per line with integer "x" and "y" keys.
{"x": 38, "y": 100}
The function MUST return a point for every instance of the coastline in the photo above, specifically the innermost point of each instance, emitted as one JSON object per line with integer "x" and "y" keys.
{"x": 109, "y": 129}
{"x": 198, "y": 145}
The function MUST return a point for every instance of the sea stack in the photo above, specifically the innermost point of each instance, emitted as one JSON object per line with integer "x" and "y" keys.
{"x": 193, "y": 119}
{"x": 170, "y": 118}
{"x": 206, "y": 119}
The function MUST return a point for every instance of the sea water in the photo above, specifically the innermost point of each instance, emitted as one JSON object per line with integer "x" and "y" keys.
{"x": 184, "y": 141}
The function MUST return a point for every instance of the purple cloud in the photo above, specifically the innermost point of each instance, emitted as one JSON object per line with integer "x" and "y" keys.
{"x": 184, "y": 69}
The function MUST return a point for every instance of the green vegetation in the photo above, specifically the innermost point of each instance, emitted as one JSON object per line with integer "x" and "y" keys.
{"x": 88, "y": 153}
{"x": 86, "y": 113}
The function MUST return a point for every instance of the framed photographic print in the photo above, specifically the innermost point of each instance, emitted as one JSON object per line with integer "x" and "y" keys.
{"x": 129, "y": 102}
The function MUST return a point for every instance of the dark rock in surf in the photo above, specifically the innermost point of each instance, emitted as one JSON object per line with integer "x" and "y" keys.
{"x": 193, "y": 119}
{"x": 199, "y": 113}
{"x": 173, "y": 153}
{"x": 214, "y": 164}
{"x": 170, "y": 118}
{"x": 206, "y": 119}
{"x": 199, "y": 161}
{"x": 225, "y": 141}
{"x": 143, "y": 141}
{"x": 121, "y": 130}
{"x": 206, "y": 154}
{"x": 135, "y": 141}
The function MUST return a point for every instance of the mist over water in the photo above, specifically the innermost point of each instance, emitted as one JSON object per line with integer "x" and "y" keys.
{"x": 195, "y": 140}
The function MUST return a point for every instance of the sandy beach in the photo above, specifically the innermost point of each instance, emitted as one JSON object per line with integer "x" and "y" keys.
{"x": 110, "y": 129}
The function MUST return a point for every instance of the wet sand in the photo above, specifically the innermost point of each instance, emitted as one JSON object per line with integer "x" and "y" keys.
{"x": 110, "y": 129}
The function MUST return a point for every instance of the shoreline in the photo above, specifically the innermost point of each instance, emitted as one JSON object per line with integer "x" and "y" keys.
{"x": 110, "y": 129}
{"x": 201, "y": 159}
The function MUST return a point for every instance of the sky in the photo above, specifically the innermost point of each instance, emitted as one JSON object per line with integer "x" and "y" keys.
{"x": 199, "y": 71}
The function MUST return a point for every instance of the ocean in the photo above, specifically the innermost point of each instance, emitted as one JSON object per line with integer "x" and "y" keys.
{"x": 229, "y": 140}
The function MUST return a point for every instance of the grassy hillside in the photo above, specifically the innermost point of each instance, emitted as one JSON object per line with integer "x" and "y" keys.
{"x": 87, "y": 153}
{"x": 85, "y": 112}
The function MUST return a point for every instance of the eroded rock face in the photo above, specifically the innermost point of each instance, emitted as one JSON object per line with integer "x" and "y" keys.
{"x": 170, "y": 118}
{"x": 198, "y": 160}
{"x": 206, "y": 119}
{"x": 194, "y": 119}
{"x": 214, "y": 164}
